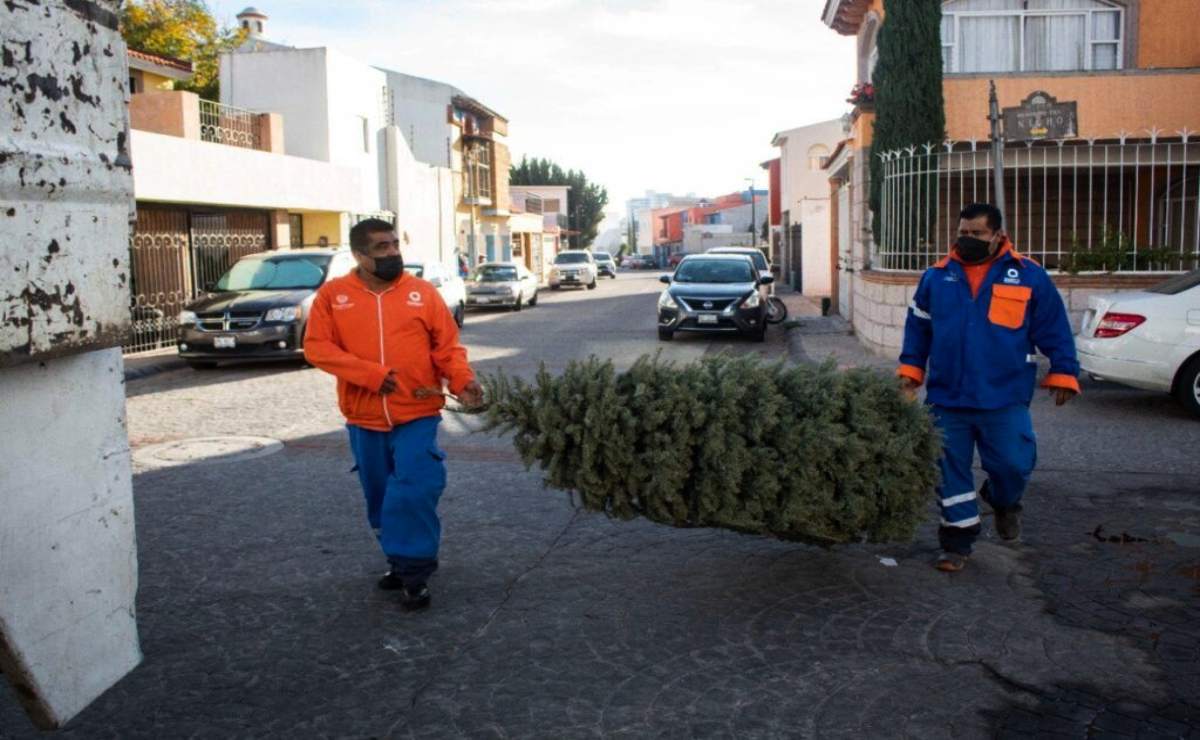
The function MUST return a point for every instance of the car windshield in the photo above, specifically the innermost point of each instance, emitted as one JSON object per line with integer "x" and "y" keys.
{"x": 602, "y": 256}
{"x": 760, "y": 261}
{"x": 495, "y": 274}
{"x": 415, "y": 270}
{"x": 1178, "y": 284}
{"x": 714, "y": 271}
{"x": 571, "y": 259}
{"x": 275, "y": 273}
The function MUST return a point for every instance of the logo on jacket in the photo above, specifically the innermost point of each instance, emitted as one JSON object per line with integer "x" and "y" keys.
{"x": 1013, "y": 276}
{"x": 342, "y": 301}
{"x": 342, "y": 298}
{"x": 414, "y": 298}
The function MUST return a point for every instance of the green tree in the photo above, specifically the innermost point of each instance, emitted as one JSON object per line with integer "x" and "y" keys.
{"x": 184, "y": 29}
{"x": 909, "y": 107}
{"x": 585, "y": 200}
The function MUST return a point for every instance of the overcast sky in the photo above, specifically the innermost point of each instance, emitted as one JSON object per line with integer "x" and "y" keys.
{"x": 670, "y": 95}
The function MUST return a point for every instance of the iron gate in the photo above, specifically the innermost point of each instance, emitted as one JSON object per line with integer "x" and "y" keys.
{"x": 175, "y": 256}
{"x": 796, "y": 259}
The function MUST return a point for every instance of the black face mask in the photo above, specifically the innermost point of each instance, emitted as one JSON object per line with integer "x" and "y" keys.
{"x": 388, "y": 268}
{"x": 972, "y": 250}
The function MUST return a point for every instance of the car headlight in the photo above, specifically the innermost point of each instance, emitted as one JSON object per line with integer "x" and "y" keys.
{"x": 187, "y": 317}
{"x": 666, "y": 300}
{"x": 754, "y": 300}
{"x": 291, "y": 313}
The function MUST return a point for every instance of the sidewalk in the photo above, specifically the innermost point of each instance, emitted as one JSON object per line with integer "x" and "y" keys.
{"x": 816, "y": 338}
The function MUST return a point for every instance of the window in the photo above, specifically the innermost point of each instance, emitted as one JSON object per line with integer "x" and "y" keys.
{"x": 551, "y": 205}
{"x": 366, "y": 133}
{"x": 258, "y": 24}
{"x": 134, "y": 87}
{"x": 818, "y": 156}
{"x": 296, "y": 229}
{"x": 1031, "y": 35}
{"x": 479, "y": 170}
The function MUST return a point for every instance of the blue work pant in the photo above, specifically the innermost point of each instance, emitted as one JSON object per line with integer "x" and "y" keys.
{"x": 403, "y": 474}
{"x": 1008, "y": 453}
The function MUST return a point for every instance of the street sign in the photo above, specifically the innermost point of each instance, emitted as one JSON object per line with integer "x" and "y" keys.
{"x": 1041, "y": 116}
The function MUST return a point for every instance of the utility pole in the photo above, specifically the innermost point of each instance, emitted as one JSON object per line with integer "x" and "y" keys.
{"x": 997, "y": 148}
{"x": 753, "y": 215}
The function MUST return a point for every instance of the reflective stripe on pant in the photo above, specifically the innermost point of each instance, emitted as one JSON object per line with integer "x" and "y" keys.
{"x": 403, "y": 474}
{"x": 1008, "y": 453}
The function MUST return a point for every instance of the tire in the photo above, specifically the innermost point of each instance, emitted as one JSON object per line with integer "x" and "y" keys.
{"x": 1187, "y": 385}
{"x": 665, "y": 335}
{"x": 777, "y": 311}
{"x": 519, "y": 304}
{"x": 593, "y": 284}
{"x": 555, "y": 287}
{"x": 460, "y": 315}
{"x": 201, "y": 364}
{"x": 533, "y": 301}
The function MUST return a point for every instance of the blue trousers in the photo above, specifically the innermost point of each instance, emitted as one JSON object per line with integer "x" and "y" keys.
{"x": 403, "y": 474}
{"x": 1008, "y": 453}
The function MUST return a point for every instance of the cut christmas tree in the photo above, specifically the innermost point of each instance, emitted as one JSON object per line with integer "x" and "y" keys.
{"x": 806, "y": 453}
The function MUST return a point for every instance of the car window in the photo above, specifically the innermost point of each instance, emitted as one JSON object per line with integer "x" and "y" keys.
{"x": 495, "y": 274}
{"x": 415, "y": 270}
{"x": 280, "y": 273}
{"x": 715, "y": 271}
{"x": 603, "y": 256}
{"x": 572, "y": 258}
{"x": 1178, "y": 284}
{"x": 341, "y": 265}
{"x": 760, "y": 261}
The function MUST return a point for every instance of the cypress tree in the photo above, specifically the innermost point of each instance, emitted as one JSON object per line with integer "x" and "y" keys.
{"x": 802, "y": 453}
{"x": 909, "y": 106}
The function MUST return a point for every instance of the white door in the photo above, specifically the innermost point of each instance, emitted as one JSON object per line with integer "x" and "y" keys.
{"x": 844, "y": 241}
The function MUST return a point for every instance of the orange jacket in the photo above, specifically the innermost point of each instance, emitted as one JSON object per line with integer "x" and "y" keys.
{"x": 358, "y": 335}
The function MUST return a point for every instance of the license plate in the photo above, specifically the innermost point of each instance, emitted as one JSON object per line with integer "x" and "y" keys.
{"x": 225, "y": 342}
{"x": 705, "y": 319}
{"x": 482, "y": 299}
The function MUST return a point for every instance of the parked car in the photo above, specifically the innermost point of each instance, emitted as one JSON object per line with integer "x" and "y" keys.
{"x": 633, "y": 262}
{"x": 451, "y": 287}
{"x": 1148, "y": 339}
{"x": 258, "y": 308}
{"x": 605, "y": 264}
{"x": 755, "y": 255}
{"x": 574, "y": 267}
{"x": 713, "y": 293}
{"x": 674, "y": 260}
{"x": 502, "y": 285}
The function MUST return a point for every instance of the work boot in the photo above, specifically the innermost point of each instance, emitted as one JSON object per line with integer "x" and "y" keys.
{"x": 390, "y": 581}
{"x": 950, "y": 562}
{"x": 414, "y": 598}
{"x": 1008, "y": 522}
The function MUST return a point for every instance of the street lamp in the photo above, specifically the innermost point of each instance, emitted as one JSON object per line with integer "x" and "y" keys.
{"x": 753, "y": 215}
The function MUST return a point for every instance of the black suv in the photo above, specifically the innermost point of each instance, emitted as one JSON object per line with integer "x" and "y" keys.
{"x": 258, "y": 309}
{"x": 718, "y": 293}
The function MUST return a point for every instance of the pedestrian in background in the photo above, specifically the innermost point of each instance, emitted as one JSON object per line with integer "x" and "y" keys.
{"x": 391, "y": 342}
{"x": 975, "y": 320}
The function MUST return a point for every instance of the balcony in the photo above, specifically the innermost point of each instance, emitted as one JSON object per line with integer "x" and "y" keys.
{"x": 184, "y": 115}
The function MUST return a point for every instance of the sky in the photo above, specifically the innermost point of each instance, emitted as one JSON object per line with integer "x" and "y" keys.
{"x": 670, "y": 95}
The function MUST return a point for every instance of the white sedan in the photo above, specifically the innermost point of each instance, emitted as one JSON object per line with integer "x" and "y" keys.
{"x": 1147, "y": 339}
{"x": 445, "y": 278}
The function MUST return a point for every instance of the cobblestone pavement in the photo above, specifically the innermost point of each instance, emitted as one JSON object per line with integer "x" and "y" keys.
{"x": 259, "y": 616}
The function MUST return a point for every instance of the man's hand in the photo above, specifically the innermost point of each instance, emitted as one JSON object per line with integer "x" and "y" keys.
{"x": 389, "y": 383}
{"x": 1062, "y": 395}
{"x": 909, "y": 387}
{"x": 472, "y": 395}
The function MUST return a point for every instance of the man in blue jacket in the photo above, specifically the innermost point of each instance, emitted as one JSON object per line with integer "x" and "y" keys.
{"x": 975, "y": 320}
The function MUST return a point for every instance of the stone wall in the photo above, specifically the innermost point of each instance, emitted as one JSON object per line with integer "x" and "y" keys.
{"x": 880, "y": 302}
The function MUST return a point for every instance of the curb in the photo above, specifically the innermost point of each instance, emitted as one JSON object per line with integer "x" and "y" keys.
{"x": 140, "y": 368}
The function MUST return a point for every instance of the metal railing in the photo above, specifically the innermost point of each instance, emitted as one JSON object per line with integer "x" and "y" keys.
{"x": 224, "y": 124}
{"x": 1121, "y": 205}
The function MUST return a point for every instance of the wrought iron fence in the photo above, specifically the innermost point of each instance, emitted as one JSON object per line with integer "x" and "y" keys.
{"x": 1121, "y": 205}
{"x": 224, "y": 124}
{"x": 174, "y": 257}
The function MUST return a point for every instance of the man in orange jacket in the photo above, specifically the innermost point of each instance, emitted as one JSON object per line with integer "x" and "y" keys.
{"x": 390, "y": 340}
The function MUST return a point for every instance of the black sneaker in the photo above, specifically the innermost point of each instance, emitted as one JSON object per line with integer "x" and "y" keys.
{"x": 390, "y": 582}
{"x": 1008, "y": 523}
{"x": 414, "y": 598}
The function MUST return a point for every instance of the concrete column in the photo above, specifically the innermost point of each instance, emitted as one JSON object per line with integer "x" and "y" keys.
{"x": 281, "y": 230}
{"x": 270, "y": 132}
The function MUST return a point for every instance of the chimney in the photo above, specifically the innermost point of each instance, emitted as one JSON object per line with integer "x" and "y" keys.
{"x": 254, "y": 21}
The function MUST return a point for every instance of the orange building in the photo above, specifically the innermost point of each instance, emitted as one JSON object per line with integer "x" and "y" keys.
{"x": 1101, "y": 166}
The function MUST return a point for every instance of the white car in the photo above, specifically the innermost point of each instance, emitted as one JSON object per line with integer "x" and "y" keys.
{"x": 1148, "y": 339}
{"x": 574, "y": 267}
{"x": 448, "y": 283}
{"x": 502, "y": 285}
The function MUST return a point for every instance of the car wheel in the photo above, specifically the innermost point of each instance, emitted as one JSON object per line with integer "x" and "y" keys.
{"x": 1187, "y": 386}
{"x": 201, "y": 364}
{"x": 592, "y": 285}
{"x": 555, "y": 287}
{"x": 665, "y": 335}
{"x": 519, "y": 304}
{"x": 533, "y": 301}
{"x": 460, "y": 315}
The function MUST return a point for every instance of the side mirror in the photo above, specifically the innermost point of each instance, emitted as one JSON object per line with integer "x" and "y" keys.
{"x": 766, "y": 280}
{"x": 664, "y": 279}
{"x": 210, "y": 286}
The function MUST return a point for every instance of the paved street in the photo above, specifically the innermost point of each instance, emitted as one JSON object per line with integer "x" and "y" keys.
{"x": 259, "y": 616}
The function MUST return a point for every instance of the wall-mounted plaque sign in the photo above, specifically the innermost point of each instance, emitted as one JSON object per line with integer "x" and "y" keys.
{"x": 1041, "y": 116}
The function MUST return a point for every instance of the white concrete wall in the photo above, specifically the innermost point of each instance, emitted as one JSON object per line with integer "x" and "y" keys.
{"x": 68, "y": 559}
{"x": 293, "y": 83}
{"x": 645, "y": 235}
{"x": 420, "y": 111}
{"x": 422, "y": 197}
{"x": 356, "y": 93}
{"x": 171, "y": 169}
{"x": 798, "y": 180}
{"x": 547, "y": 192}
{"x": 815, "y": 217}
